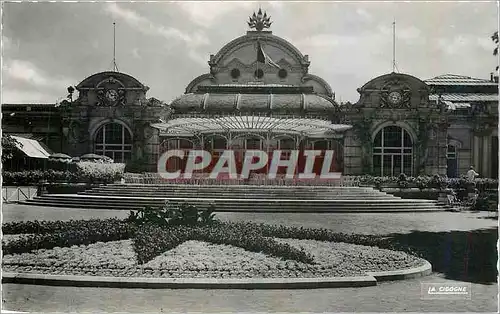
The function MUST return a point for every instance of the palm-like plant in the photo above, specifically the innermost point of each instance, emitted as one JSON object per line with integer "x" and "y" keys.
{"x": 494, "y": 37}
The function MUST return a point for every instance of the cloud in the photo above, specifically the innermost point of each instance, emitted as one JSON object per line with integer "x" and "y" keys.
{"x": 135, "y": 53}
{"x": 327, "y": 41}
{"x": 146, "y": 26}
{"x": 453, "y": 45}
{"x": 364, "y": 14}
{"x": 26, "y": 71}
{"x": 6, "y": 43}
{"x": 14, "y": 96}
{"x": 206, "y": 13}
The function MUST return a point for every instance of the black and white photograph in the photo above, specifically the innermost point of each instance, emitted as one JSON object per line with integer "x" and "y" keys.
{"x": 249, "y": 157}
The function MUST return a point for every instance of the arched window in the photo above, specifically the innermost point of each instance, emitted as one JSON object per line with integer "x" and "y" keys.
{"x": 115, "y": 141}
{"x": 452, "y": 156}
{"x": 393, "y": 152}
{"x": 175, "y": 163}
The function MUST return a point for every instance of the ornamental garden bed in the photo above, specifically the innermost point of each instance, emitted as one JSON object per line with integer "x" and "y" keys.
{"x": 187, "y": 243}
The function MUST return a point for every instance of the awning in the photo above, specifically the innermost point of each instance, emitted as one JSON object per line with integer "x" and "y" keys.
{"x": 31, "y": 148}
{"x": 189, "y": 126}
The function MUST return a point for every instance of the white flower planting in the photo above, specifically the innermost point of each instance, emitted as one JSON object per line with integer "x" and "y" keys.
{"x": 195, "y": 259}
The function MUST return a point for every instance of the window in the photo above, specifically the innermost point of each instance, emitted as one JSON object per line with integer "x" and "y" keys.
{"x": 176, "y": 163}
{"x": 259, "y": 73}
{"x": 282, "y": 73}
{"x": 452, "y": 165}
{"x": 115, "y": 141}
{"x": 393, "y": 152}
{"x": 253, "y": 143}
{"x": 235, "y": 73}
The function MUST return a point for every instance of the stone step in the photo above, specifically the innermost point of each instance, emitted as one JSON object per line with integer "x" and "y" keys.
{"x": 232, "y": 208}
{"x": 101, "y": 198}
{"x": 241, "y": 195}
{"x": 234, "y": 188}
{"x": 239, "y": 186}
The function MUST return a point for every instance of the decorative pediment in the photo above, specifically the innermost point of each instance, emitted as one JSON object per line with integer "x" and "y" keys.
{"x": 236, "y": 63}
{"x": 283, "y": 63}
{"x": 395, "y": 94}
{"x": 109, "y": 89}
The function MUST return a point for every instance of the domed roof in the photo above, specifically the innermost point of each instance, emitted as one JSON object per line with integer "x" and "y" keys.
{"x": 123, "y": 79}
{"x": 259, "y": 57}
{"x": 253, "y": 102}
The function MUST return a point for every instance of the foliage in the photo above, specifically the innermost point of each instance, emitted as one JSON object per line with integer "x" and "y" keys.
{"x": 63, "y": 234}
{"x": 362, "y": 130}
{"x": 137, "y": 165}
{"x": 429, "y": 182}
{"x": 494, "y": 37}
{"x": 152, "y": 241}
{"x": 482, "y": 204}
{"x": 9, "y": 145}
{"x": 402, "y": 181}
{"x": 47, "y": 226}
{"x": 100, "y": 172}
{"x": 173, "y": 215}
{"x": 83, "y": 172}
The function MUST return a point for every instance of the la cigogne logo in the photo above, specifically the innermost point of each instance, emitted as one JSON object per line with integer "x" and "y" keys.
{"x": 229, "y": 164}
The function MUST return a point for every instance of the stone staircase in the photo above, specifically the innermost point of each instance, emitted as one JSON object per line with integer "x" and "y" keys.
{"x": 239, "y": 198}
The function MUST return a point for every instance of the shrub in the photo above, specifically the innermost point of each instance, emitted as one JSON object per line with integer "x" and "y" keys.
{"x": 92, "y": 172}
{"x": 173, "y": 215}
{"x": 41, "y": 226}
{"x": 84, "y": 172}
{"x": 73, "y": 233}
{"x": 151, "y": 241}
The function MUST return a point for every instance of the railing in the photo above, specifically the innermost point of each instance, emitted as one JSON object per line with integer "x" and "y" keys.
{"x": 14, "y": 194}
{"x": 255, "y": 179}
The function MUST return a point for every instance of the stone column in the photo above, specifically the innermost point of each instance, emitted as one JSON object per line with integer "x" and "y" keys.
{"x": 486, "y": 160}
{"x": 475, "y": 152}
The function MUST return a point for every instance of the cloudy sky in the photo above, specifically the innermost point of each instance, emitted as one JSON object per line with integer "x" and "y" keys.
{"x": 49, "y": 46}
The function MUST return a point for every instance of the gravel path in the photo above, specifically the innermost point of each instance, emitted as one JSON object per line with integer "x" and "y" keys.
{"x": 361, "y": 223}
{"x": 398, "y": 296}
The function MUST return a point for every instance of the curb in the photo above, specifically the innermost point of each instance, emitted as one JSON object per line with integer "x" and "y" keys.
{"x": 211, "y": 283}
{"x": 409, "y": 273}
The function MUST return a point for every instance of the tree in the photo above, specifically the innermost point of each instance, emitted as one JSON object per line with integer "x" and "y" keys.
{"x": 9, "y": 145}
{"x": 495, "y": 40}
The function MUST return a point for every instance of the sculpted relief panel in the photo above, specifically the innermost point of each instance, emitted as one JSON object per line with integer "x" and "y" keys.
{"x": 110, "y": 92}
{"x": 395, "y": 94}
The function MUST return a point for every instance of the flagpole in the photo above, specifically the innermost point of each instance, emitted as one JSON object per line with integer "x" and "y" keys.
{"x": 394, "y": 46}
{"x": 258, "y": 50}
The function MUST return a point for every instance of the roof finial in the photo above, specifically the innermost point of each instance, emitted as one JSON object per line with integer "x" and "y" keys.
{"x": 260, "y": 20}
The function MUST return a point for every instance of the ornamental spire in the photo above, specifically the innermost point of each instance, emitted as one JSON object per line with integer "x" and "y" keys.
{"x": 259, "y": 21}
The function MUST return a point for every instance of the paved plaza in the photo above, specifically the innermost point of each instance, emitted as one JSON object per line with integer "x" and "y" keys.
{"x": 386, "y": 296}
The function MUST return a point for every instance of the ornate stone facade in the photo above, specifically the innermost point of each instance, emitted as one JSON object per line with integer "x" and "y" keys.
{"x": 399, "y": 124}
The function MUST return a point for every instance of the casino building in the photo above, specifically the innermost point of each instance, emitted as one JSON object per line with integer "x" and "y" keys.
{"x": 258, "y": 94}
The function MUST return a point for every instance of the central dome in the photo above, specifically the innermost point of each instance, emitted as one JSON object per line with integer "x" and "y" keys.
{"x": 258, "y": 63}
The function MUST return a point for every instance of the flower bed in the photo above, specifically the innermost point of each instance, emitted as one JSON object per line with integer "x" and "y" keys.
{"x": 47, "y": 235}
{"x": 113, "y": 247}
{"x": 426, "y": 182}
{"x": 196, "y": 259}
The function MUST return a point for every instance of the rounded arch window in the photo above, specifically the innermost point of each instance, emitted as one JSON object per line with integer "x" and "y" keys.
{"x": 115, "y": 141}
{"x": 259, "y": 73}
{"x": 235, "y": 73}
{"x": 214, "y": 143}
{"x": 392, "y": 152}
{"x": 282, "y": 73}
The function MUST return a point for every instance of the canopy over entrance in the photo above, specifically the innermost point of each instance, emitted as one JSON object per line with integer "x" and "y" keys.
{"x": 190, "y": 126}
{"x": 32, "y": 148}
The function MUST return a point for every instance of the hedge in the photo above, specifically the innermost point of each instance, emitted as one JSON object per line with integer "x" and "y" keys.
{"x": 82, "y": 172}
